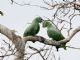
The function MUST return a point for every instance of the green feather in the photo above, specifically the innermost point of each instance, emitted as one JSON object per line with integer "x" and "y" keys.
{"x": 54, "y": 33}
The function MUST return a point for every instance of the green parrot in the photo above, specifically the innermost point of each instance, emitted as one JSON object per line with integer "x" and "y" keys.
{"x": 34, "y": 28}
{"x": 54, "y": 33}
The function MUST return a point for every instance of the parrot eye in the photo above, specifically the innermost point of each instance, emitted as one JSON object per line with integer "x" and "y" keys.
{"x": 40, "y": 20}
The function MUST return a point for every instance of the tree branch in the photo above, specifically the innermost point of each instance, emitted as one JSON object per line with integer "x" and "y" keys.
{"x": 20, "y": 42}
{"x": 17, "y": 40}
{"x": 51, "y": 42}
{"x": 6, "y": 31}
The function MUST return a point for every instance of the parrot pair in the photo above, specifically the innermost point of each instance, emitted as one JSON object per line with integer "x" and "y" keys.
{"x": 52, "y": 31}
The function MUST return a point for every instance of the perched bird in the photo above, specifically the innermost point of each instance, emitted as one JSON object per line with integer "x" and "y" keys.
{"x": 53, "y": 33}
{"x": 34, "y": 28}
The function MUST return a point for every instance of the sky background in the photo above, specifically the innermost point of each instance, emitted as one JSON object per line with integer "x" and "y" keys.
{"x": 17, "y": 17}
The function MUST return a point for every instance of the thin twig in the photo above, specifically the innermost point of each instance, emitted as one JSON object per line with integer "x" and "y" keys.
{"x": 72, "y": 47}
{"x": 49, "y": 52}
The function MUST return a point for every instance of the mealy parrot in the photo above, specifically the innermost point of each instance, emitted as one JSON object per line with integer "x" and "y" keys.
{"x": 54, "y": 33}
{"x": 34, "y": 28}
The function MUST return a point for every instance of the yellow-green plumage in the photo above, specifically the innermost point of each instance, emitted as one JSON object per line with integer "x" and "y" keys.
{"x": 54, "y": 33}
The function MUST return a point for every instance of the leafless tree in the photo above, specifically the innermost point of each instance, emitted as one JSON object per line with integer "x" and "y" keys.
{"x": 63, "y": 10}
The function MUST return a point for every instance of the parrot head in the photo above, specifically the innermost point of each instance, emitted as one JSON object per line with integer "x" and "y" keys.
{"x": 46, "y": 23}
{"x": 39, "y": 19}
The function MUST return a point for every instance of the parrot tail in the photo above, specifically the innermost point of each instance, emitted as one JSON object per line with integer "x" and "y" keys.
{"x": 57, "y": 48}
{"x": 63, "y": 46}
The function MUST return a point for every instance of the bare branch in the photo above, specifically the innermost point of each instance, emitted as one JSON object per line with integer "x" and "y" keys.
{"x": 6, "y": 31}
{"x": 49, "y": 52}
{"x": 72, "y": 47}
{"x": 38, "y": 51}
{"x": 12, "y": 1}
{"x": 28, "y": 4}
{"x": 6, "y": 55}
{"x": 51, "y": 42}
